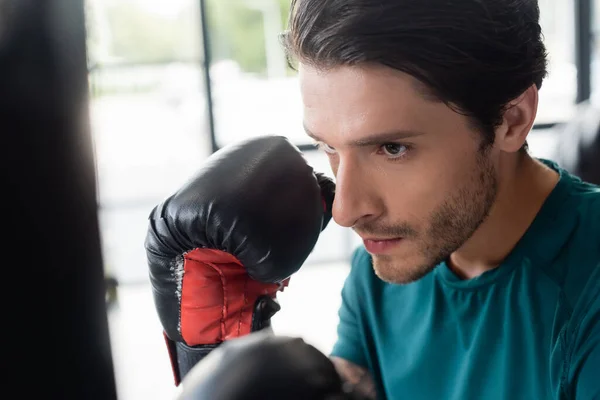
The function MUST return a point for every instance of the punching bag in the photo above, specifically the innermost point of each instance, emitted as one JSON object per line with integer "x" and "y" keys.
{"x": 55, "y": 329}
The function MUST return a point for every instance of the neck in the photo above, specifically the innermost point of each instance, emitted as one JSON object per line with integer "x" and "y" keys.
{"x": 523, "y": 185}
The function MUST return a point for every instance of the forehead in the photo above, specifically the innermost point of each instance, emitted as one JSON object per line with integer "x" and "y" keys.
{"x": 353, "y": 101}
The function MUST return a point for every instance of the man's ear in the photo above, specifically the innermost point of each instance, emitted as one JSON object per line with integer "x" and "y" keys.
{"x": 517, "y": 121}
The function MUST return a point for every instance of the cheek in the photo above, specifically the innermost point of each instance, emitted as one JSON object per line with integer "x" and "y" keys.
{"x": 415, "y": 193}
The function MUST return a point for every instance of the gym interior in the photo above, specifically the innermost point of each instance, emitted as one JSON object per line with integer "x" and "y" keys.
{"x": 167, "y": 84}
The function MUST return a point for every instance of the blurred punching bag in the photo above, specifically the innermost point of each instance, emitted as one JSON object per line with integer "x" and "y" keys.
{"x": 54, "y": 324}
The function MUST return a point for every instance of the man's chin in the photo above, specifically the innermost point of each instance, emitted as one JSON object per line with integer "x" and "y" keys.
{"x": 392, "y": 270}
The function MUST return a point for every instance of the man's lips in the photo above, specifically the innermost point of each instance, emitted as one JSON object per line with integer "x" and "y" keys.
{"x": 380, "y": 245}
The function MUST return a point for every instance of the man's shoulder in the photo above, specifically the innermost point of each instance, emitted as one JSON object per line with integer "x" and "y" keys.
{"x": 574, "y": 201}
{"x": 584, "y": 202}
{"x": 580, "y": 262}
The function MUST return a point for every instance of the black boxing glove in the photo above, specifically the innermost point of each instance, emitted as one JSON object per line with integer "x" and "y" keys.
{"x": 222, "y": 246}
{"x": 261, "y": 366}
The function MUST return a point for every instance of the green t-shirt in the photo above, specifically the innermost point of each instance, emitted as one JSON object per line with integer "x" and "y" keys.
{"x": 529, "y": 329}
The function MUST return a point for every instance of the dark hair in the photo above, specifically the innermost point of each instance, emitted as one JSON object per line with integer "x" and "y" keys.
{"x": 474, "y": 55}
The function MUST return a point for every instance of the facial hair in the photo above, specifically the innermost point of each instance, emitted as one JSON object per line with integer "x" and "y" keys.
{"x": 449, "y": 227}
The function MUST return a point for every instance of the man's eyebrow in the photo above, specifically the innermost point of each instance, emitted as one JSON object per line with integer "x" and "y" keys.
{"x": 375, "y": 139}
{"x": 384, "y": 137}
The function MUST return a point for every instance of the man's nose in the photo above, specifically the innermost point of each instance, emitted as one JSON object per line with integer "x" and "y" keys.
{"x": 355, "y": 198}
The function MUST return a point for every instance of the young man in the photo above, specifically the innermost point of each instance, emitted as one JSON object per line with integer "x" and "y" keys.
{"x": 480, "y": 272}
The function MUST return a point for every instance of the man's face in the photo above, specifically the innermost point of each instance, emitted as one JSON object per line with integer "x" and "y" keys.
{"x": 411, "y": 178}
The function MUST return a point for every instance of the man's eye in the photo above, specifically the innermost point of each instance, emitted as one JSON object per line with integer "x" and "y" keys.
{"x": 394, "y": 150}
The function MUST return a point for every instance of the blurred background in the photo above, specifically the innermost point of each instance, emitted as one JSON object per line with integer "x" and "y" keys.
{"x": 173, "y": 81}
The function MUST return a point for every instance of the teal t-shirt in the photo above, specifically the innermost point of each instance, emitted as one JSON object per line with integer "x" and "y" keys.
{"x": 529, "y": 329}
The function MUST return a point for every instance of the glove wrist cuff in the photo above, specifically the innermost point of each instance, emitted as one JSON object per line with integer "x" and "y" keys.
{"x": 184, "y": 358}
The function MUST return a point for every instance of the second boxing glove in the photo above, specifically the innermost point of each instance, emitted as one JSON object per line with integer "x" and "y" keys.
{"x": 260, "y": 366}
{"x": 222, "y": 246}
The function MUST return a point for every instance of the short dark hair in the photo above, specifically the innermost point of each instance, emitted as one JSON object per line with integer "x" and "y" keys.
{"x": 474, "y": 55}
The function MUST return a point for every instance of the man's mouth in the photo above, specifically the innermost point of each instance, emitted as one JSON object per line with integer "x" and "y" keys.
{"x": 381, "y": 245}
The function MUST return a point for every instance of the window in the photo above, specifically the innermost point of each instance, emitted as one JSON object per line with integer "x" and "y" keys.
{"x": 559, "y": 91}
{"x": 254, "y": 92}
{"x": 149, "y": 123}
{"x": 149, "y": 115}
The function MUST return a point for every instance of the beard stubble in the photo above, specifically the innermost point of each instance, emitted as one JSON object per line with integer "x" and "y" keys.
{"x": 449, "y": 227}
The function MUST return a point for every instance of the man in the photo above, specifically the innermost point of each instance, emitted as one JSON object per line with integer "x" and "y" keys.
{"x": 480, "y": 272}
{"x": 479, "y": 277}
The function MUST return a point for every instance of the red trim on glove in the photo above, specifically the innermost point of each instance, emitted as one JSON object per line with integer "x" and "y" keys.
{"x": 173, "y": 359}
{"x": 217, "y": 297}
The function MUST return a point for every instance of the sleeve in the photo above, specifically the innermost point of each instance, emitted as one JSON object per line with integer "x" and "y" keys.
{"x": 584, "y": 373}
{"x": 350, "y": 342}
